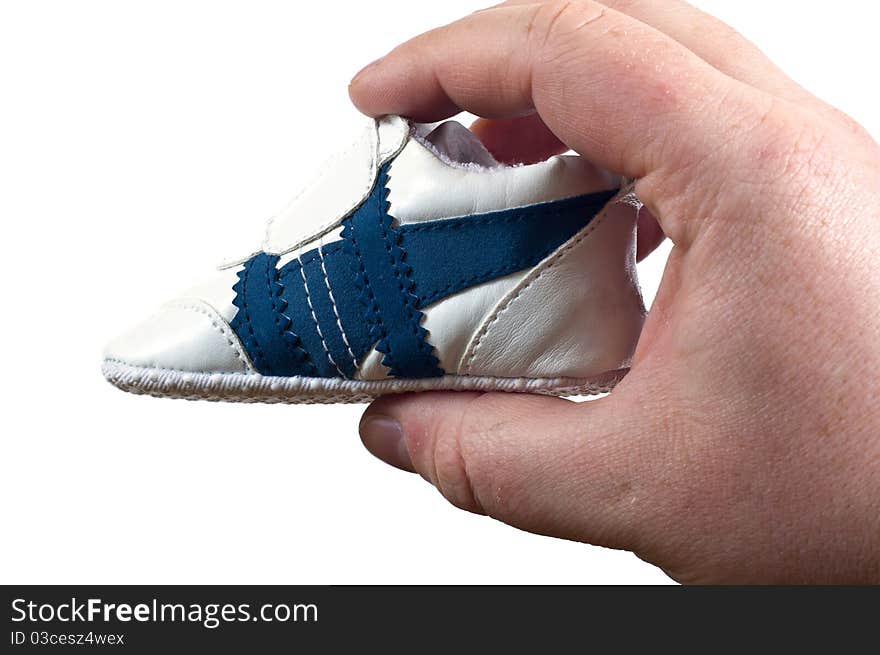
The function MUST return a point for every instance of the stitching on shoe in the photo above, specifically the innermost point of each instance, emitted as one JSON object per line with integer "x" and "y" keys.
{"x": 282, "y": 320}
{"x": 250, "y": 388}
{"x": 366, "y": 297}
{"x": 301, "y": 355}
{"x": 160, "y": 369}
{"x": 528, "y": 281}
{"x": 471, "y": 220}
{"x": 335, "y": 310}
{"x": 315, "y": 319}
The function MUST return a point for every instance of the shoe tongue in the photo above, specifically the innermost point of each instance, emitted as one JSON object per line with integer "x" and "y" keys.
{"x": 453, "y": 141}
{"x": 341, "y": 183}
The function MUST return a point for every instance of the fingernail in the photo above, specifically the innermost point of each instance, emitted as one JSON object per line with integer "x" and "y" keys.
{"x": 383, "y": 437}
{"x": 364, "y": 70}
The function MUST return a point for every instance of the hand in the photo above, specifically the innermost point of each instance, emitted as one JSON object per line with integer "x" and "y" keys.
{"x": 744, "y": 445}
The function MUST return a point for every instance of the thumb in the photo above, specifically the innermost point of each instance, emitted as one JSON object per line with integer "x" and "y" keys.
{"x": 539, "y": 463}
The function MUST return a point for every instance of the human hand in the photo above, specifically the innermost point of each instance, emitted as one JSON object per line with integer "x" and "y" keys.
{"x": 744, "y": 444}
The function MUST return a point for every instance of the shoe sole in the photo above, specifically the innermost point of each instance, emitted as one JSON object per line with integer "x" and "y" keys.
{"x": 255, "y": 388}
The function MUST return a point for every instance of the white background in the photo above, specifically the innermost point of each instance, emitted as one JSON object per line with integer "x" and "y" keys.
{"x": 140, "y": 142}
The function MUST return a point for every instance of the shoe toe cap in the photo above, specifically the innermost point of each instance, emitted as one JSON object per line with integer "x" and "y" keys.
{"x": 185, "y": 335}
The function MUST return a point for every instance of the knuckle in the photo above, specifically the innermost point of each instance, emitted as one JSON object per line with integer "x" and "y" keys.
{"x": 455, "y": 463}
{"x": 798, "y": 163}
{"x": 470, "y": 468}
{"x": 851, "y": 126}
{"x": 775, "y": 147}
{"x": 736, "y": 49}
{"x": 557, "y": 26}
{"x": 789, "y": 143}
{"x": 857, "y": 134}
{"x": 800, "y": 159}
{"x": 577, "y": 46}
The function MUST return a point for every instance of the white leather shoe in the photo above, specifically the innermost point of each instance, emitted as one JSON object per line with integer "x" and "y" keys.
{"x": 413, "y": 262}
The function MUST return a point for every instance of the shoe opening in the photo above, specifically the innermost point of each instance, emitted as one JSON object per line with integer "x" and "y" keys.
{"x": 458, "y": 146}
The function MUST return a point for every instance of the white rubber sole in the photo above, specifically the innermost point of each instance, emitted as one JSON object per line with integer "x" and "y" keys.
{"x": 254, "y": 388}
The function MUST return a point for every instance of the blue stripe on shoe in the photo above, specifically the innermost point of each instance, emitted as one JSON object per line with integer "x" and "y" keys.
{"x": 262, "y": 323}
{"x": 304, "y": 320}
{"x": 323, "y": 302}
{"x": 368, "y": 289}
{"x": 341, "y": 267}
{"x": 385, "y": 284}
{"x": 449, "y": 255}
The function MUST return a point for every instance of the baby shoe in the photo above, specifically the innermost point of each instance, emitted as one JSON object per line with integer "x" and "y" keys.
{"x": 414, "y": 261}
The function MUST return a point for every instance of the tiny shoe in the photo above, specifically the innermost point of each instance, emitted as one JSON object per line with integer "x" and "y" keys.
{"x": 413, "y": 262}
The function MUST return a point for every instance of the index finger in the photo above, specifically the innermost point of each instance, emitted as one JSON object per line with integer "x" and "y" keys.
{"x": 619, "y": 92}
